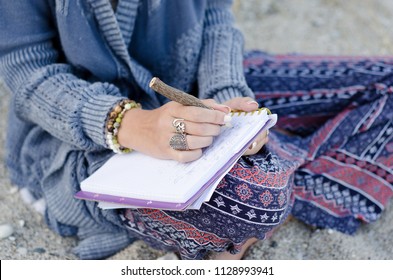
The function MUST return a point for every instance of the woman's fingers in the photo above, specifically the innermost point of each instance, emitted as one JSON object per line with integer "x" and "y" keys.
{"x": 198, "y": 129}
{"x": 246, "y": 104}
{"x": 189, "y": 142}
{"x": 216, "y": 106}
{"x": 200, "y": 115}
{"x": 262, "y": 137}
{"x": 254, "y": 148}
{"x": 196, "y": 142}
{"x": 172, "y": 131}
{"x": 181, "y": 132}
{"x": 258, "y": 143}
{"x": 198, "y": 121}
{"x": 186, "y": 156}
{"x": 194, "y": 146}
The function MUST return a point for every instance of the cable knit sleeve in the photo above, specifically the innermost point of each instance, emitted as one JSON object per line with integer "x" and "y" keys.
{"x": 46, "y": 92}
{"x": 220, "y": 73}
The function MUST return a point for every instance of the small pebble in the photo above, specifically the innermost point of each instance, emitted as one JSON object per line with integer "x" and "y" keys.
{"x": 273, "y": 244}
{"x": 39, "y": 250}
{"x": 21, "y": 223}
{"x": 26, "y": 196}
{"x": 168, "y": 256}
{"x": 22, "y": 250}
{"x": 330, "y": 231}
{"x": 13, "y": 190}
{"x": 40, "y": 206}
{"x": 6, "y": 230}
{"x": 12, "y": 238}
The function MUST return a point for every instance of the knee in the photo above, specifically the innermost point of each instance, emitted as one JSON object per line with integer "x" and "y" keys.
{"x": 274, "y": 204}
{"x": 257, "y": 203}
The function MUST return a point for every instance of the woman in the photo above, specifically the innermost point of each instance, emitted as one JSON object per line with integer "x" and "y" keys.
{"x": 71, "y": 64}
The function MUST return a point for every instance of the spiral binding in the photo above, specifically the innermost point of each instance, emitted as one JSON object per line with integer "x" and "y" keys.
{"x": 239, "y": 112}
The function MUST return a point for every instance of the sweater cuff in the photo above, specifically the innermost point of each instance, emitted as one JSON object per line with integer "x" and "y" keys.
{"x": 94, "y": 115}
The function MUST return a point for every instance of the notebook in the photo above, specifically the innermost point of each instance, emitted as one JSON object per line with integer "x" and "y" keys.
{"x": 140, "y": 181}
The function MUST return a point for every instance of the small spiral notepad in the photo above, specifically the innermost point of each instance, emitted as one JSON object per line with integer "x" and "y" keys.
{"x": 167, "y": 184}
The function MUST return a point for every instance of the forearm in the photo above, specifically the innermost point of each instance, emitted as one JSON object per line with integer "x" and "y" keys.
{"x": 48, "y": 94}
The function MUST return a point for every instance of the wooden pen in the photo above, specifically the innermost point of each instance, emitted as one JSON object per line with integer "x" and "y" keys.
{"x": 175, "y": 94}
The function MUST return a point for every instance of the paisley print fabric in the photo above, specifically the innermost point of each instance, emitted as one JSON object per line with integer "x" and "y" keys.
{"x": 329, "y": 162}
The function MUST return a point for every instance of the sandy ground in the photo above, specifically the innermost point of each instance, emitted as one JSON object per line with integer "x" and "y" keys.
{"x": 279, "y": 26}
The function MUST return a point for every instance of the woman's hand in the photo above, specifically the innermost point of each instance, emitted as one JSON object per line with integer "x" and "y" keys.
{"x": 247, "y": 104}
{"x": 150, "y": 131}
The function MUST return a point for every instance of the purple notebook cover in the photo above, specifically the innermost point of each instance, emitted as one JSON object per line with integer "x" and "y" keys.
{"x": 142, "y": 203}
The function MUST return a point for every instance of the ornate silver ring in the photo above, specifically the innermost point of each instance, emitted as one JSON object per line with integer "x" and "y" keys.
{"x": 179, "y": 125}
{"x": 179, "y": 142}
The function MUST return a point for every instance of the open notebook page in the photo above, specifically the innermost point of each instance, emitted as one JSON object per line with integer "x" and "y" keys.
{"x": 145, "y": 178}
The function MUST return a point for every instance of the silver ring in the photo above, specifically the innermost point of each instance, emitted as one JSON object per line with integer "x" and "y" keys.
{"x": 179, "y": 142}
{"x": 179, "y": 125}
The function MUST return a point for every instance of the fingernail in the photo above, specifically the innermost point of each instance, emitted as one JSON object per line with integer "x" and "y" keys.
{"x": 227, "y": 121}
{"x": 252, "y": 102}
{"x": 228, "y": 108}
{"x": 253, "y": 145}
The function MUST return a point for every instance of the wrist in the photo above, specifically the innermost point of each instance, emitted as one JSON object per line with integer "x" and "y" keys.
{"x": 114, "y": 123}
{"x": 130, "y": 128}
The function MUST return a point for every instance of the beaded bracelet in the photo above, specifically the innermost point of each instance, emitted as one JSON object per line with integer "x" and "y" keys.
{"x": 113, "y": 125}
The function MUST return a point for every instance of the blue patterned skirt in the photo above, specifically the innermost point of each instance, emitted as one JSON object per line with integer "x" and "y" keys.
{"x": 332, "y": 168}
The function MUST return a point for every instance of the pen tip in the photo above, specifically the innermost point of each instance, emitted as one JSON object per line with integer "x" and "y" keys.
{"x": 153, "y": 81}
